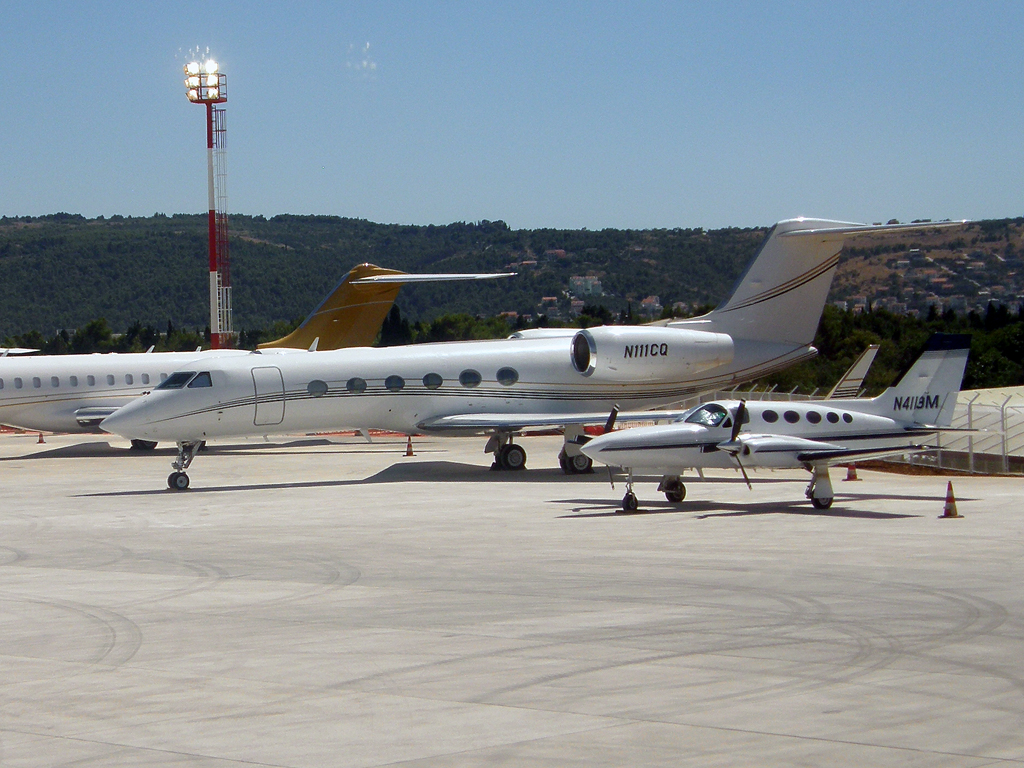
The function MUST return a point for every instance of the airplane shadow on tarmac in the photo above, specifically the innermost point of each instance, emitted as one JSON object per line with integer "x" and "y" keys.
{"x": 706, "y": 509}
{"x": 411, "y": 472}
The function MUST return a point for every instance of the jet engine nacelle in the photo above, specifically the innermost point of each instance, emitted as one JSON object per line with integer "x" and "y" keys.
{"x": 638, "y": 353}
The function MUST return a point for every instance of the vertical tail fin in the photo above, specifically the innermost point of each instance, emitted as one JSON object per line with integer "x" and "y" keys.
{"x": 780, "y": 296}
{"x": 851, "y": 382}
{"x": 926, "y": 392}
{"x": 350, "y": 316}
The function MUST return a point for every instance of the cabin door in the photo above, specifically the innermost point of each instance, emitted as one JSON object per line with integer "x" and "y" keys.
{"x": 269, "y": 386}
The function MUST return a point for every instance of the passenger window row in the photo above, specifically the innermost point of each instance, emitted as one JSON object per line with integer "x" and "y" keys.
{"x": 813, "y": 417}
{"x": 73, "y": 381}
{"x": 469, "y": 378}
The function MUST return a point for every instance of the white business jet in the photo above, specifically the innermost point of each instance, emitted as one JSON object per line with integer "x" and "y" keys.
{"x": 812, "y": 434}
{"x": 563, "y": 378}
{"x": 74, "y": 393}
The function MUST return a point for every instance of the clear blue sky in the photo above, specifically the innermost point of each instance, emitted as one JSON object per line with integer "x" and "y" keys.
{"x": 542, "y": 114}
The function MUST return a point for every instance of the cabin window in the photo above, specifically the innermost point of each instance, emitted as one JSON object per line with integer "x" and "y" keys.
{"x": 201, "y": 380}
{"x": 129, "y": 379}
{"x": 177, "y": 380}
{"x": 833, "y": 417}
{"x": 73, "y": 381}
{"x": 90, "y": 380}
{"x": 432, "y": 381}
{"x": 355, "y": 385}
{"x": 110, "y": 379}
{"x": 37, "y": 382}
{"x": 17, "y": 382}
{"x": 394, "y": 383}
{"x": 145, "y": 378}
{"x": 470, "y": 378}
{"x": 54, "y": 381}
{"x": 848, "y": 418}
{"x": 163, "y": 377}
{"x": 317, "y": 388}
{"x": 791, "y": 416}
{"x": 508, "y": 376}
{"x": 770, "y": 416}
{"x": 814, "y": 417}
{"x": 710, "y": 415}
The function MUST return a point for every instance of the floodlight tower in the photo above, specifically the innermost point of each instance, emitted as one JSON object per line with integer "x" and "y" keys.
{"x": 206, "y": 84}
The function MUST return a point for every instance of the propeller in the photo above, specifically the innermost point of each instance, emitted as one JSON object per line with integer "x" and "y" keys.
{"x": 735, "y": 449}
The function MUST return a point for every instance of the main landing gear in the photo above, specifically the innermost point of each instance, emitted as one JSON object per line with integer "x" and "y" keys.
{"x": 178, "y": 480}
{"x": 507, "y": 455}
{"x": 570, "y": 459}
{"x": 819, "y": 490}
{"x": 673, "y": 488}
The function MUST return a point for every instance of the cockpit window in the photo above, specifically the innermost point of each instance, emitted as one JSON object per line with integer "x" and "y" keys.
{"x": 176, "y": 380}
{"x": 709, "y": 415}
{"x": 201, "y": 380}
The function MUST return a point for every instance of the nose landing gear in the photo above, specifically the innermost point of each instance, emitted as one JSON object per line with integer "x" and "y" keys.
{"x": 178, "y": 480}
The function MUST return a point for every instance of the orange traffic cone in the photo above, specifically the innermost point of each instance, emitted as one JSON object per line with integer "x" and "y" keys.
{"x": 408, "y": 447}
{"x": 41, "y": 441}
{"x": 950, "y": 509}
{"x": 851, "y": 472}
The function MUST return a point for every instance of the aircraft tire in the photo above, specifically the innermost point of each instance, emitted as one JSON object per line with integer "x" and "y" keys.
{"x": 630, "y": 503}
{"x": 580, "y": 464}
{"x": 177, "y": 481}
{"x": 143, "y": 445}
{"x": 563, "y": 462}
{"x": 512, "y": 457}
{"x": 676, "y": 493}
{"x": 824, "y": 503}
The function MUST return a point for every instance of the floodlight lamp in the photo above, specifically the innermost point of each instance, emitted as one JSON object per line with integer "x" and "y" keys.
{"x": 192, "y": 68}
{"x": 193, "y": 81}
{"x": 211, "y": 81}
{"x": 193, "y": 95}
{"x": 211, "y": 67}
{"x": 212, "y": 93}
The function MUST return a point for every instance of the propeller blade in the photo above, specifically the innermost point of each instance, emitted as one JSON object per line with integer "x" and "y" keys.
{"x": 611, "y": 419}
{"x": 744, "y": 471}
{"x": 738, "y": 423}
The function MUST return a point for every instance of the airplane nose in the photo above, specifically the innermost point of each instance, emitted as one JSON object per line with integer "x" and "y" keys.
{"x": 125, "y": 421}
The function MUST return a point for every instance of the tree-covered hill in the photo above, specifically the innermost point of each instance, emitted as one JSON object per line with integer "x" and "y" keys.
{"x": 62, "y": 271}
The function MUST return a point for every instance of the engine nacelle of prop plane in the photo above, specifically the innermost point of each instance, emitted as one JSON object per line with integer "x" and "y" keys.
{"x": 637, "y": 353}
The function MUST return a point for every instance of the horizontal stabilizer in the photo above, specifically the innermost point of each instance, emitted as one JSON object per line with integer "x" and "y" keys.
{"x": 439, "y": 277}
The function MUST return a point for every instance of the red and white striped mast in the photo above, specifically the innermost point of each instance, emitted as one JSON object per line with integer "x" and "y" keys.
{"x": 206, "y": 84}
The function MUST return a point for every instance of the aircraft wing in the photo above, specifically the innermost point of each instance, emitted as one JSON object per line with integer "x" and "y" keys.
{"x": 506, "y": 422}
{"x": 91, "y": 416}
{"x": 852, "y": 454}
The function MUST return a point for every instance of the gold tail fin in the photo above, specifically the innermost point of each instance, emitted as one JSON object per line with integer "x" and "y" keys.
{"x": 350, "y": 317}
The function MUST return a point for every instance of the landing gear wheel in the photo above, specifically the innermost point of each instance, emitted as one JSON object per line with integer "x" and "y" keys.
{"x": 676, "y": 493}
{"x": 821, "y": 503}
{"x": 580, "y": 464}
{"x": 177, "y": 481}
{"x": 629, "y": 502}
{"x": 563, "y": 462}
{"x": 143, "y": 445}
{"x": 512, "y": 457}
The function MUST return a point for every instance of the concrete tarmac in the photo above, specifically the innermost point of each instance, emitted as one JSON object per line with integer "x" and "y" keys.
{"x": 324, "y": 602}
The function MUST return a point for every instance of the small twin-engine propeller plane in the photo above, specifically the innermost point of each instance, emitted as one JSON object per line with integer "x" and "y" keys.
{"x": 74, "y": 393}
{"x": 546, "y": 378}
{"x": 813, "y": 434}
